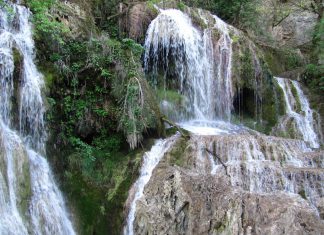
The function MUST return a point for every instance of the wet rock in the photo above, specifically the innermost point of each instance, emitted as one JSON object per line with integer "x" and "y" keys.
{"x": 182, "y": 203}
{"x": 14, "y": 159}
{"x": 261, "y": 194}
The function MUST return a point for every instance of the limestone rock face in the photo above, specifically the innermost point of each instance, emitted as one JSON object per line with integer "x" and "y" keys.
{"x": 137, "y": 21}
{"x": 287, "y": 23}
{"x": 296, "y": 30}
{"x": 190, "y": 192}
{"x": 76, "y": 16}
{"x": 192, "y": 204}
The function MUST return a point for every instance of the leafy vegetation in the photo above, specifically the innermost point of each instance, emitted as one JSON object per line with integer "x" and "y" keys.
{"x": 314, "y": 78}
{"x": 98, "y": 96}
{"x": 46, "y": 27}
{"x": 237, "y": 12}
{"x": 314, "y": 72}
{"x": 99, "y": 106}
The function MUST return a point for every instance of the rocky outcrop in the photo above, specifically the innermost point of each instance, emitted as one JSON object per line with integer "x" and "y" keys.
{"x": 137, "y": 20}
{"x": 208, "y": 205}
{"x": 76, "y": 16}
{"x": 139, "y": 16}
{"x": 269, "y": 186}
{"x": 296, "y": 30}
{"x": 285, "y": 31}
{"x": 287, "y": 23}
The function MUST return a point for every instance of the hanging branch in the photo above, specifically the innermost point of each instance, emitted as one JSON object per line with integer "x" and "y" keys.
{"x": 275, "y": 24}
{"x": 219, "y": 159}
{"x": 123, "y": 10}
{"x": 164, "y": 119}
{"x": 117, "y": 14}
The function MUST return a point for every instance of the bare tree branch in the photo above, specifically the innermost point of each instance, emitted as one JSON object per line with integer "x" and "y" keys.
{"x": 219, "y": 159}
{"x": 164, "y": 119}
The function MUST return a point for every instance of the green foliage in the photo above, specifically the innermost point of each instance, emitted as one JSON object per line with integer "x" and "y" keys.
{"x": 282, "y": 60}
{"x": 151, "y": 5}
{"x": 181, "y": 6}
{"x": 46, "y": 27}
{"x": 138, "y": 107}
{"x": 85, "y": 150}
{"x": 102, "y": 10}
{"x": 99, "y": 78}
{"x": 318, "y": 41}
{"x": 135, "y": 48}
{"x": 234, "y": 11}
{"x": 135, "y": 116}
{"x": 314, "y": 77}
{"x": 292, "y": 58}
{"x": 285, "y": 60}
{"x": 100, "y": 192}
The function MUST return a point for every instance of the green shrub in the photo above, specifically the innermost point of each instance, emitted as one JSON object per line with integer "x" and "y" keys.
{"x": 47, "y": 28}
{"x": 314, "y": 76}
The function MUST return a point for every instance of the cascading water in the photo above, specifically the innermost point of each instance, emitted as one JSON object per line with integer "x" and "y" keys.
{"x": 30, "y": 202}
{"x": 298, "y": 108}
{"x": 198, "y": 64}
{"x": 183, "y": 48}
{"x": 192, "y": 63}
{"x": 150, "y": 161}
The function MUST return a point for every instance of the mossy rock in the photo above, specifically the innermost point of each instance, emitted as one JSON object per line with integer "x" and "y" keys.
{"x": 77, "y": 18}
{"x": 196, "y": 19}
{"x": 18, "y": 60}
{"x": 302, "y": 193}
{"x": 100, "y": 207}
{"x": 282, "y": 60}
{"x": 177, "y": 155}
{"x": 296, "y": 96}
{"x": 50, "y": 75}
{"x": 174, "y": 4}
{"x": 25, "y": 192}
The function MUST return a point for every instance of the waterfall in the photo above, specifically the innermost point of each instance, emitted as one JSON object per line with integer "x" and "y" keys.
{"x": 30, "y": 201}
{"x": 202, "y": 75}
{"x": 197, "y": 64}
{"x": 298, "y": 109}
{"x": 150, "y": 161}
{"x": 193, "y": 63}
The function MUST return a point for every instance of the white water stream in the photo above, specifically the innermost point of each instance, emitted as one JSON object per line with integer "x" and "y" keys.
{"x": 150, "y": 161}
{"x": 298, "y": 108}
{"x": 30, "y": 202}
{"x": 203, "y": 74}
